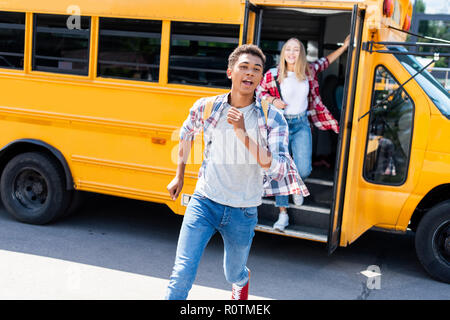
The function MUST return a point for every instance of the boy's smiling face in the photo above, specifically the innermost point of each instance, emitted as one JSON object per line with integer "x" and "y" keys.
{"x": 246, "y": 73}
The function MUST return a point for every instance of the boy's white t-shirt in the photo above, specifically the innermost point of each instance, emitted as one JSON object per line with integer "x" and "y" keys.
{"x": 232, "y": 176}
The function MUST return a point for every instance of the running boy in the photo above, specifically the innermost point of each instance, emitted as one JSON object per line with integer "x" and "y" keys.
{"x": 246, "y": 157}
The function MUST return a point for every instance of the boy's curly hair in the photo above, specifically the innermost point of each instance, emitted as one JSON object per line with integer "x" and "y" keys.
{"x": 245, "y": 49}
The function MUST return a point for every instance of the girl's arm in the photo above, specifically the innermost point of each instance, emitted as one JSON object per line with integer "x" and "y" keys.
{"x": 337, "y": 53}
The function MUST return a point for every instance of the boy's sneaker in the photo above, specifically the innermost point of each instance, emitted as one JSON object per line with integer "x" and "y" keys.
{"x": 282, "y": 222}
{"x": 240, "y": 293}
{"x": 298, "y": 199}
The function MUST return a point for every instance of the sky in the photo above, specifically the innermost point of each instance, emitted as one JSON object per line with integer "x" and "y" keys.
{"x": 437, "y": 6}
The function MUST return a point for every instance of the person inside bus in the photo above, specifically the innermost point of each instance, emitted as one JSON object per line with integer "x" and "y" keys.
{"x": 293, "y": 87}
{"x": 229, "y": 190}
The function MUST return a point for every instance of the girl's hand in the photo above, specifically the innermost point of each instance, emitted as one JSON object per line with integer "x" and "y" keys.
{"x": 279, "y": 103}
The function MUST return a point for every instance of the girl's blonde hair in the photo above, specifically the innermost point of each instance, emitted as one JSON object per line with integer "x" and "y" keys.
{"x": 300, "y": 65}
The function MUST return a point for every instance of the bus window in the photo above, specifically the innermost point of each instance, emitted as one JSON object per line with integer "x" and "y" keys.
{"x": 58, "y": 48}
{"x": 129, "y": 48}
{"x": 199, "y": 53}
{"x": 435, "y": 91}
{"x": 390, "y": 132}
{"x": 12, "y": 33}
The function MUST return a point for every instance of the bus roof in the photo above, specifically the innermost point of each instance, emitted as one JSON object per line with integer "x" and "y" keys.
{"x": 215, "y": 11}
{"x": 221, "y": 11}
{"x": 329, "y": 4}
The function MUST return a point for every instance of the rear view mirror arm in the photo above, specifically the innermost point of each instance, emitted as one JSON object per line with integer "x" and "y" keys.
{"x": 378, "y": 104}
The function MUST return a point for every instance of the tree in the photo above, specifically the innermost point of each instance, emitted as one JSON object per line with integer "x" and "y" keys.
{"x": 419, "y": 6}
{"x": 432, "y": 28}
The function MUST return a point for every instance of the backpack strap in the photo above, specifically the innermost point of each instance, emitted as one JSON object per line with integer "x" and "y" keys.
{"x": 265, "y": 107}
{"x": 274, "y": 72}
{"x": 208, "y": 107}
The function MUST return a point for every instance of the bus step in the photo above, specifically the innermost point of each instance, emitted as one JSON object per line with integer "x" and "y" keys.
{"x": 321, "y": 182}
{"x": 309, "y": 215}
{"x": 321, "y": 192}
{"x": 304, "y": 207}
{"x": 296, "y": 231}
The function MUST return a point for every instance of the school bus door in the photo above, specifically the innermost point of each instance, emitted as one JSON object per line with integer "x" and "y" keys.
{"x": 252, "y": 33}
{"x": 387, "y": 147}
{"x": 345, "y": 134}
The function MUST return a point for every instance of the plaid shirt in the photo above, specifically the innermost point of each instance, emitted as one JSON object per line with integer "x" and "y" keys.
{"x": 317, "y": 112}
{"x": 282, "y": 177}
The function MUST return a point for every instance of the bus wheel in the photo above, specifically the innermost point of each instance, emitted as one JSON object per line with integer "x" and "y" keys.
{"x": 33, "y": 188}
{"x": 433, "y": 241}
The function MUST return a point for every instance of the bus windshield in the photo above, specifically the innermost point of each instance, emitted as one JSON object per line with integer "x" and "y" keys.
{"x": 434, "y": 90}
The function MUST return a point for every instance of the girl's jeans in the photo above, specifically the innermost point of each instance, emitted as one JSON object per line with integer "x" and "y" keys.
{"x": 202, "y": 219}
{"x": 300, "y": 146}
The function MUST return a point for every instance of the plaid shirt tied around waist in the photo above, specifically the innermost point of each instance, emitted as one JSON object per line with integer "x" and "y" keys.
{"x": 282, "y": 177}
{"x": 318, "y": 114}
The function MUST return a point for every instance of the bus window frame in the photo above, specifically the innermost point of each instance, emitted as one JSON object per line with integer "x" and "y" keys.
{"x": 33, "y": 48}
{"x": 96, "y": 61}
{"x": 201, "y": 38}
{"x": 367, "y": 132}
{"x": 24, "y": 28}
{"x": 92, "y": 61}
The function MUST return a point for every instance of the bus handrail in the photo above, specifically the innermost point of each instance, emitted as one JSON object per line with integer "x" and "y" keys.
{"x": 369, "y": 47}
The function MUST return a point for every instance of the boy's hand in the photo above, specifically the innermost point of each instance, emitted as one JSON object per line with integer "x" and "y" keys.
{"x": 174, "y": 187}
{"x": 236, "y": 118}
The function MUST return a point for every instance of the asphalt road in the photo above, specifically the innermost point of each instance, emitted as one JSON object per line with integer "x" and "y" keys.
{"x": 130, "y": 246}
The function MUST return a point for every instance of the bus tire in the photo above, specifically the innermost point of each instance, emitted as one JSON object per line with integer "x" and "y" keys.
{"x": 33, "y": 188}
{"x": 432, "y": 241}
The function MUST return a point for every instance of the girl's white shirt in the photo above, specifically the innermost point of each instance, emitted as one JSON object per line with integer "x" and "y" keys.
{"x": 295, "y": 94}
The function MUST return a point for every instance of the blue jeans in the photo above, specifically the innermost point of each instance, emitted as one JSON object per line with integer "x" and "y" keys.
{"x": 203, "y": 217}
{"x": 300, "y": 147}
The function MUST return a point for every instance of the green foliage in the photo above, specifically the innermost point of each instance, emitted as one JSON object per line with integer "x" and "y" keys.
{"x": 432, "y": 28}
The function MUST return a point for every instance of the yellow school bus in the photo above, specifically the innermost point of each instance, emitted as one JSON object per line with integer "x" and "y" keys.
{"x": 93, "y": 93}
